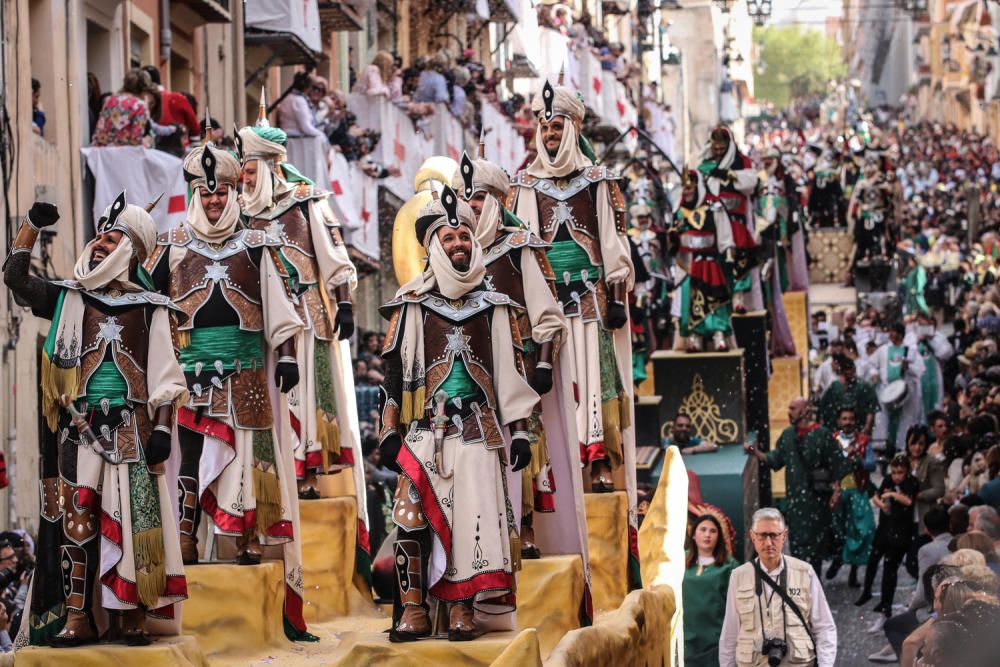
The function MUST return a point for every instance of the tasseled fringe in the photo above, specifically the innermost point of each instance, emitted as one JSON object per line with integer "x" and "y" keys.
{"x": 413, "y": 405}
{"x": 328, "y": 435}
{"x": 183, "y": 339}
{"x": 612, "y": 420}
{"x": 268, "y": 493}
{"x": 56, "y": 382}
{"x": 150, "y": 566}
{"x": 539, "y": 457}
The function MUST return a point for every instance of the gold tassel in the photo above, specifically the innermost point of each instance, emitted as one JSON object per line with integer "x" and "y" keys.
{"x": 611, "y": 416}
{"x": 183, "y": 339}
{"x": 150, "y": 566}
{"x": 328, "y": 436}
{"x": 55, "y": 383}
{"x": 268, "y": 493}
{"x": 413, "y": 405}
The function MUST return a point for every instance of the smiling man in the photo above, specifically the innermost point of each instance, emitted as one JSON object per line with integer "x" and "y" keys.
{"x": 452, "y": 384}
{"x": 517, "y": 265}
{"x": 110, "y": 384}
{"x": 239, "y": 318}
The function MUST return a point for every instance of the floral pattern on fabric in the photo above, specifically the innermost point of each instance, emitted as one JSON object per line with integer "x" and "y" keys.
{"x": 122, "y": 122}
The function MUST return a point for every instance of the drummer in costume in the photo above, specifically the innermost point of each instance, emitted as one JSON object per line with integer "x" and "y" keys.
{"x": 109, "y": 388}
{"x": 516, "y": 265}
{"x": 935, "y": 350}
{"x": 227, "y": 282}
{"x": 731, "y": 180}
{"x": 899, "y": 368}
{"x": 701, "y": 237}
{"x": 454, "y": 381}
{"x": 853, "y": 521}
{"x": 578, "y": 208}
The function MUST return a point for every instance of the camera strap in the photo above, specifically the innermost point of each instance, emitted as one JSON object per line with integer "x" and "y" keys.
{"x": 786, "y": 598}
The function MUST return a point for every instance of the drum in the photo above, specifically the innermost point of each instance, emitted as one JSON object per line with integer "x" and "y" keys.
{"x": 893, "y": 395}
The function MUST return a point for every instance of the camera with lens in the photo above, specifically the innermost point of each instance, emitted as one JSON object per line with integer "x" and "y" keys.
{"x": 774, "y": 649}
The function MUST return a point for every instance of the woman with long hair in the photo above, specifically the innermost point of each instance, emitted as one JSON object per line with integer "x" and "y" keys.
{"x": 706, "y": 580}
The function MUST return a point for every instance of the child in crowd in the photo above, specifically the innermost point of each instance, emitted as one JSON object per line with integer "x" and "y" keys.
{"x": 894, "y": 500}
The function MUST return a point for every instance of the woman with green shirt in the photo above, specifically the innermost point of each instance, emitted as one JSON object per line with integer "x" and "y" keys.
{"x": 706, "y": 580}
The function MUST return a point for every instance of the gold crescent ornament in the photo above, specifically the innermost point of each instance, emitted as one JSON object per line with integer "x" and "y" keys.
{"x": 407, "y": 252}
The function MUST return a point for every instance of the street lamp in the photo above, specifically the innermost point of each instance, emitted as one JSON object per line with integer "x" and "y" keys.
{"x": 724, "y": 5}
{"x": 759, "y": 10}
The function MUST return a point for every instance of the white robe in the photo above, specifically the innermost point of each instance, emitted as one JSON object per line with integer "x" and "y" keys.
{"x": 912, "y": 411}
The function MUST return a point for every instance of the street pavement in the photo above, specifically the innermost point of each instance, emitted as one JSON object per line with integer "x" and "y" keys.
{"x": 854, "y": 644}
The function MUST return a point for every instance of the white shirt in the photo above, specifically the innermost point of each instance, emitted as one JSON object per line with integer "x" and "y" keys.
{"x": 823, "y": 627}
{"x": 824, "y": 376}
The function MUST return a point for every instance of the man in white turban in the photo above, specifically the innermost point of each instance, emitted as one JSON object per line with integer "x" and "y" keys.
{"x": 517, "y": 265}
{"x": 452, "y": 384}
{"x": 325, "y": 435}
{"x": 241, "y": 328}
{"x": 579, "y": 210}
{"x": 109, "y": 387}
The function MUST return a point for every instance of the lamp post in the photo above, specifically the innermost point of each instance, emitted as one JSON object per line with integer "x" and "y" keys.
{"x": 759, "y": 10}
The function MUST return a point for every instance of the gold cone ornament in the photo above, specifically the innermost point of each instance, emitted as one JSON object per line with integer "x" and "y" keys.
{"x": 407, "y": 252}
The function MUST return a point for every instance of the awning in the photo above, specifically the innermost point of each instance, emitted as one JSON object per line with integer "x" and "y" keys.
{"x": 298, "y": 20}
{"x": 341, "y": 16}
{"x": 213, "y": 11}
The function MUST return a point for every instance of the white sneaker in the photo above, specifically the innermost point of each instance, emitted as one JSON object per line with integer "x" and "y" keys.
{"x": 876, "y": 626}
{"x": 885, "y": 655}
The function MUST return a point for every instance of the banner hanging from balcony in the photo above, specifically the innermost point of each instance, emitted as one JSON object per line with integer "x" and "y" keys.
{"x": 146, "y": 174}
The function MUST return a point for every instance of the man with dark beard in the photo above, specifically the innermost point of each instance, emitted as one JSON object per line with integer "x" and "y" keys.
{"x": 454, "y": 380}
{"x": 110, "y": 384}
{"x": 578, "y": 208}
{"x": 517, "y": 265}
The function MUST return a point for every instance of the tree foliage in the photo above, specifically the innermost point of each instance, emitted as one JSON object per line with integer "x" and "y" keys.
{"x": 796, "y": 62}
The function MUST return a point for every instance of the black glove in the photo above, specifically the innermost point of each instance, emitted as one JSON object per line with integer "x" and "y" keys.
{"x": 43, "y": 214}
{"x": 344, "y": 319}
{"x": 617, "y": 315}
{"x": 286, "y": 375}
{"x": 390, "y": 452}
{"x": 157, "y": 448}
{"x": 541, "y": 382}
{"x": 719, "y": 173}
{"x": 520, "y": 454}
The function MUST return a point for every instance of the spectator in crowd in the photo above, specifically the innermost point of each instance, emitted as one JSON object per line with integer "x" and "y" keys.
{"x": 175, "y": 114}
{"x": 95, "y": 100}
{"x": 433, "y": 86}
{"x": 37, "y": 114}
{"x": 380, "y": 78}
{"x": 927, "y": 470}
{"x": 789, "y": 588}
{"x": 706, "y": 582}
{"x": 682, "y": 438}
{"x": 369, "y": 346}
{"x": 295, "y": 115}
{"x": 124, "y": 118}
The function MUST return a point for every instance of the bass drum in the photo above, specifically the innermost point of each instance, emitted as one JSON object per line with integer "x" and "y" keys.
{"x": 893, "y": 395}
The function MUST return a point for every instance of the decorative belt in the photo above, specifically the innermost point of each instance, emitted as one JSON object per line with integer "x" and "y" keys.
{"x": 697, "y": 241}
